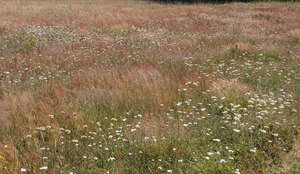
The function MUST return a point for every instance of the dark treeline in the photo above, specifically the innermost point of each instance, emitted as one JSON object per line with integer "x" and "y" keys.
{"x": 218, "y": 1}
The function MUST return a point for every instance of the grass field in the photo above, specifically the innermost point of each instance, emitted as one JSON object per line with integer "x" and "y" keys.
{"x": 125, "y": 86}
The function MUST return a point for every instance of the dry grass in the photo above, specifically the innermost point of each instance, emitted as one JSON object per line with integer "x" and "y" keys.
{"x": 290, "y": 158}
{"x": 4, "y": 111}
{"x": 222, "y": 86}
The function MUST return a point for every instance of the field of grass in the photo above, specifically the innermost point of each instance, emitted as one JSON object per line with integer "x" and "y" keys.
{"x": 128, "y": 86}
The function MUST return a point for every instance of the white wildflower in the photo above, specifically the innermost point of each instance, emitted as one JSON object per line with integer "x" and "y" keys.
{"x": 236, "y": 130}
{"x": 216, "y": 140}
{"x": 132, "y": 130}
{"x": 237, "y": 171}
{"x": 44, "y": 168}
{"x": 210, "y": 153}
{"x": 263, "y": 131}
{"x": 111, "y": 159}
{"x": 222, "y": 161}
{"x": 51, "y": 116}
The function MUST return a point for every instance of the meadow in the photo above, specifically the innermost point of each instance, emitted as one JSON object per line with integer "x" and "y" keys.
{"x": 129, "y": 86}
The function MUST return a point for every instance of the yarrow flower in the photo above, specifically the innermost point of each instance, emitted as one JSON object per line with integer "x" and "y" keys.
{"x": 236, "y": 130}
{"x": 222, "y": 161}
{"x": 237, "y": 171}
{"x": 216, "y": 140}
{"x": 44, "y": 168}
{"x": 111, "y": 159}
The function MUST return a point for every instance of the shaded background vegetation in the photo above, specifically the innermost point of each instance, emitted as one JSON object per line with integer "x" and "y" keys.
{"x": 218, "y": 1}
